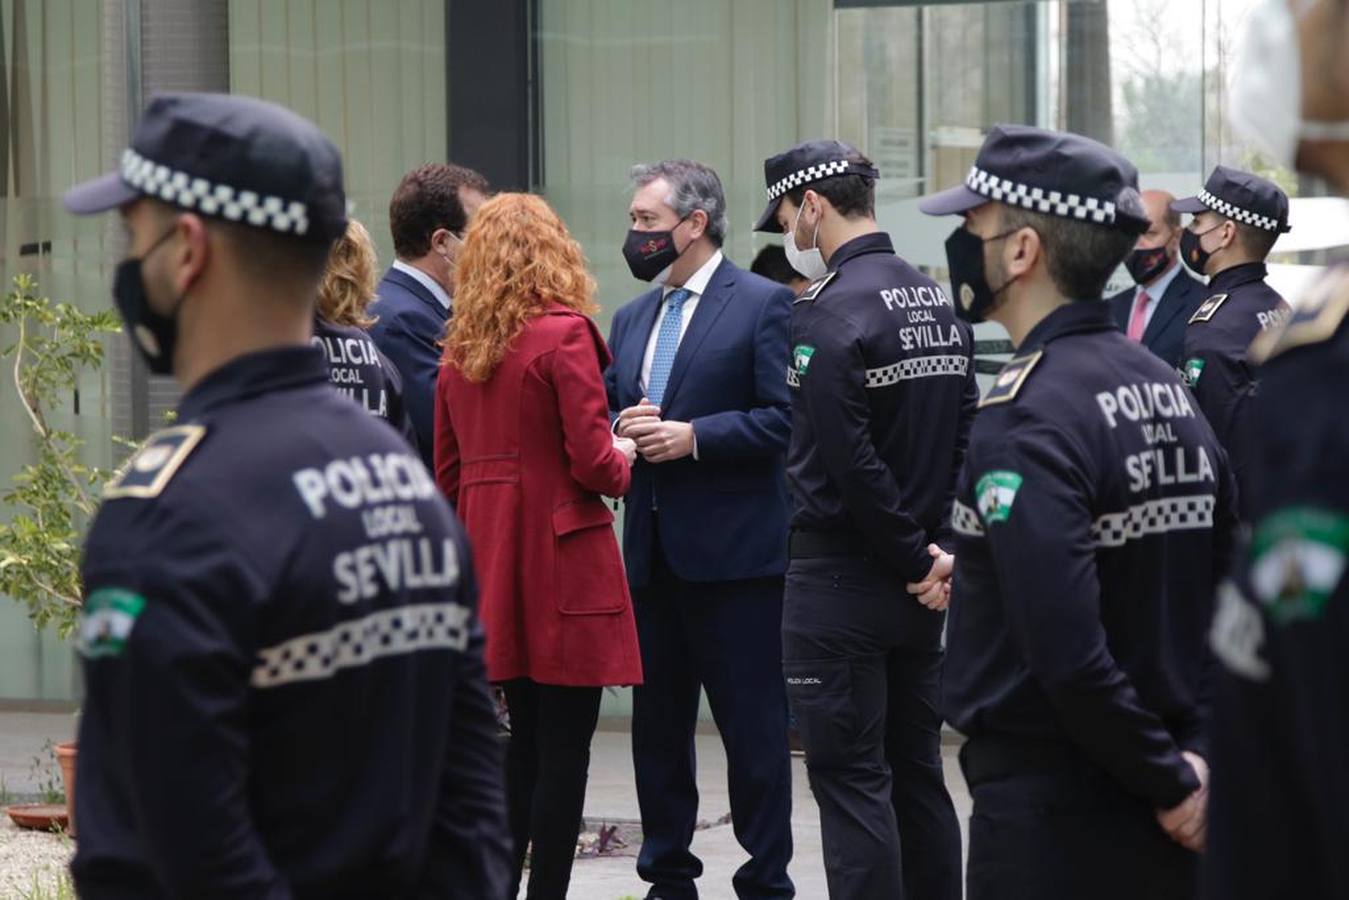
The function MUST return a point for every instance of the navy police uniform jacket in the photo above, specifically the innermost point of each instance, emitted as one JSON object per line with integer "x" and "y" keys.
{"x": 1094, "y": 515}
{"x": 1215, "y": 363}
{"x": 358, "y": 369}
{"x": 883, "y": 391}
{"x": 1279, "y": 801}
{"x": 285, "y": 691}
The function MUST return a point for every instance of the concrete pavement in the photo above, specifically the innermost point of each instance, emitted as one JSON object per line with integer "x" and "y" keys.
{"x": 611, "y": 797}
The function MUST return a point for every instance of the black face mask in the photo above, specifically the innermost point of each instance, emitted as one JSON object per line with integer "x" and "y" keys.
{"x": 973, "y": 297}
{"x": 154, "y": 335}
{"x": 650, "y": 252}
{"x": 1195, "y": 256}
{"x": 1145, "y": 265}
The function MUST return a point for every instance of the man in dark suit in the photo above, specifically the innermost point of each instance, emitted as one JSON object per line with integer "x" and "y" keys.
{"x": 699, "y": 381}
{"x": 428, "y": 215}
{"x": 1155, "y": 311}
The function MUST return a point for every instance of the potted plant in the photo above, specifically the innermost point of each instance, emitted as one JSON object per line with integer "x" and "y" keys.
{"x": 52, "y": 500}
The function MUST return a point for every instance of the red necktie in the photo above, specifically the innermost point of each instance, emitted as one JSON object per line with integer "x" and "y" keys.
{"x": 1138, "y": 321}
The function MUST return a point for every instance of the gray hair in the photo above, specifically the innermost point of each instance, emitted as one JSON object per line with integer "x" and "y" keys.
{"x": 693, "y": 186}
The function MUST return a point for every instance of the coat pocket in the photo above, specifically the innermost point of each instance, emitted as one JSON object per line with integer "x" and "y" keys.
{"x": 588, "y": 572}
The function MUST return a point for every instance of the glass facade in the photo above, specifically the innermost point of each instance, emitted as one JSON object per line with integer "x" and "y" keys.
{"x": 610, "y": 83}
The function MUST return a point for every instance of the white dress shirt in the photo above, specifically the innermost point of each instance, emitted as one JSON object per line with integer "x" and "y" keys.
{"x": 1155, "y": 292}
{"x": 426, "y": 280}
{"x": 696, "y": 286}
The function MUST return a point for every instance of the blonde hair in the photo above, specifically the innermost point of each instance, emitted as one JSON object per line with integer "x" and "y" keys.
{"x": 348, "y": 283}
{"x": 517, "y": 259}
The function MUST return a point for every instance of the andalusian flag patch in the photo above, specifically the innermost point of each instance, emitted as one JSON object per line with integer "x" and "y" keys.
{"x": 1299, "y": 559}
{"x": 109, "y": 615}
{"x": 1191, "y": 371}
{"x": 995, "y": 493}
{"x": 801, "y": 358}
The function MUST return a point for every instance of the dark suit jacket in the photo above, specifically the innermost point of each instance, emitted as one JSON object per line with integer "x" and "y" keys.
{"x": 723, "y": 516}
{"x": 410, "y": 324}
{"x": 1165, "y": 334}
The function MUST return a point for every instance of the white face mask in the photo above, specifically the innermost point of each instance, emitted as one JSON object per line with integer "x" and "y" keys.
{"x": 810, "y": 263}
{"x": 1265, "y": 93}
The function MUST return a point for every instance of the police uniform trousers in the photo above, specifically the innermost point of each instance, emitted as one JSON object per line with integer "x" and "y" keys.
{"x": 724, "y": 637}
{"x": 862, "y": 659}
{"x": 1049, "y": 823}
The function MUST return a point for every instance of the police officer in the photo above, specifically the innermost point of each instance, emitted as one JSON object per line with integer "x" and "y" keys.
{"x": 356, "y": 366}
{"x": 283, "y": 659}
{"x": 362, "y": 373}
{"x": 1237, "y": 218}
{"x": 1280, "y": 794}
{"x": 1093, "y": 515}
{"x": 883, "y": 391}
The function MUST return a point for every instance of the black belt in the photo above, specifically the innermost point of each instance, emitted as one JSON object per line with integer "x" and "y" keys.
{"x": 816, "y": 544}
{"x": 990, "y": 758}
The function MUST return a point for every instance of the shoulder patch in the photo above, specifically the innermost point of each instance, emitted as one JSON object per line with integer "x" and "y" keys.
{"x": 815, "y": 287}
{"x": 995, "y": 493}
{"x": 1010, "y": 379}
{"x": 148, "y": 472}
{"x": 1299, "y": 559}
{"x": 1208, "y": 308}
{"x": 1191, "y": 370}
{"x": 1316, "y": 318}
{"x": 106, "y": 621}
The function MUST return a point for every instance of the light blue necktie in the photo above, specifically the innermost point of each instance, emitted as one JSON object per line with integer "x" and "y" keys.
{"x": 667, "y": 344}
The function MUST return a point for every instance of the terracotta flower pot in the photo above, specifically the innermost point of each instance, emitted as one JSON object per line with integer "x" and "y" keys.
{"x": 65, "y": 755}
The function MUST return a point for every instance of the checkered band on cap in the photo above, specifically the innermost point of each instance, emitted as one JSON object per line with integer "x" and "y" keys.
{"x": 191, "y": 192}
{"x": 814, "y": 173}
{"x": 1236, "y": 213}
{"x": 1055, "y": 203}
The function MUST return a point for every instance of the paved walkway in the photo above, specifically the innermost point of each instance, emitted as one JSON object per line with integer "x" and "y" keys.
{"x": 611, "y": 795}
{"x": 610, "y": 798}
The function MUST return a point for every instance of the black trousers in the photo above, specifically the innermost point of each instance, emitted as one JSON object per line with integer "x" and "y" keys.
{"x": 1069, "y": 831}
{"x": 547, "y": 766}
{"x": 863, "y": 662}
{"x": 724, "y": 637}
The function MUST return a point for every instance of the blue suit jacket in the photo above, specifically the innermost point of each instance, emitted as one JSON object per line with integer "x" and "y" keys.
{"x": 1165, "y": 334}
{"x": 410, "y": 325}
{"x": 722, "y": 516}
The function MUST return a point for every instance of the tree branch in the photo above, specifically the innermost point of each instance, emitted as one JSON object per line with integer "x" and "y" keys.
{"x": 38, "y": 425}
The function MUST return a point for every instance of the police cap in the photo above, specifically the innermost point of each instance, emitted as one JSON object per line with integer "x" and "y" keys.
{"x": 1052, "y": 172}
{"x": 807, "y": 162}
{"x": 1241, "y": 197}
{"x": 234, "y": 158}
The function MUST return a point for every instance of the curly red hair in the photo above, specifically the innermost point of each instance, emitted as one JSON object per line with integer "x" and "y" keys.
{"x": 517, "y": 259}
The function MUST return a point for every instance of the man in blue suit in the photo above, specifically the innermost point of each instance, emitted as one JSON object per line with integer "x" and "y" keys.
{"x": 1156, "y": 310}
{"x": 428, "y": 214}
{"x": 699, "y": 382}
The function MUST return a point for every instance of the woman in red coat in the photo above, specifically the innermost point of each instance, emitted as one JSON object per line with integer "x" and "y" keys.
{"x": 525, "y": 452}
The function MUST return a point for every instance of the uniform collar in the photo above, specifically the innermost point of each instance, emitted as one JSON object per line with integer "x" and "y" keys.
{"x": 1246, "y": 273}
{"x": 1078, "y": 317}
{"x": 254, "y": 374}
{"x": 876, "y": 242}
